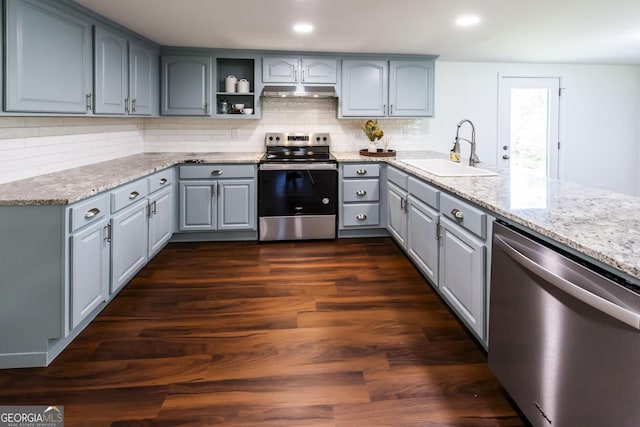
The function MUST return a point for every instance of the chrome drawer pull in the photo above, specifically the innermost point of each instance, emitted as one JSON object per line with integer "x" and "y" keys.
{"x": 361, "y": 192}
{"x": 163, "y": 181}
{"x": 457, "y": 214}
{"x": 361, "y": 217}
{"x": 91, "y": 213}
{"x": 133, "y": 195}
{"x": 361, "y": 171}
{"x": 216, "y": 172}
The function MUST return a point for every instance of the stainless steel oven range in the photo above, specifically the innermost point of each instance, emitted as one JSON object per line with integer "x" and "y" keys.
{"x": 297, "y": 188}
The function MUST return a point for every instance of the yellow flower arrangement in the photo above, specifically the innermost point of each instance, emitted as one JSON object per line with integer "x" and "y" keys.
{"x": 372, "y": 129}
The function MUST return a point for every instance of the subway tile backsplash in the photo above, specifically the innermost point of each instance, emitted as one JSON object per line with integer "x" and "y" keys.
{"x": 32, "y": 146}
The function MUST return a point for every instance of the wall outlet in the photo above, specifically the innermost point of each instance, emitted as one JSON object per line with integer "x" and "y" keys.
{"x": 235, "y": 133}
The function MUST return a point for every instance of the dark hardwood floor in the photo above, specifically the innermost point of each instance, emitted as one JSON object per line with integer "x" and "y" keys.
{"x": 323, "y": 333}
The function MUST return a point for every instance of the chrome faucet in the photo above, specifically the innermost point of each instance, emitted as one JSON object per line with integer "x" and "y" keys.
{"x": 473, "y": 159}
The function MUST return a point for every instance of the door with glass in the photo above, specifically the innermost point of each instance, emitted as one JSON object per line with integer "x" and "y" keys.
{"x": 528, "y": 130}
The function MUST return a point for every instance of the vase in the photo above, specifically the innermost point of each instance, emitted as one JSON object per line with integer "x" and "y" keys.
{"x": 372, "y": 147}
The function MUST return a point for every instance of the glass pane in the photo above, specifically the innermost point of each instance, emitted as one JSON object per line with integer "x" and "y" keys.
{"x": 529, "y": 129}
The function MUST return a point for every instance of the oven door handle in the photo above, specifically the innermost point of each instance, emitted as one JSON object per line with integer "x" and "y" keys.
{"x": 597, "y": 302}
{"x": 297, "y": 166}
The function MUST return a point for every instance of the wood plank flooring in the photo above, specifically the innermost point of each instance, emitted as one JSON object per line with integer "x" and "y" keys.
{"x": 324, "y": 333}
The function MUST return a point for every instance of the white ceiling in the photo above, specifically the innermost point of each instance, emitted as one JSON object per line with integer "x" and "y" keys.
{"x": 565, "y": 31}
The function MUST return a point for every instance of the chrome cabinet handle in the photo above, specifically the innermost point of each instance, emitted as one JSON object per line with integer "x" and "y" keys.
{"x": 154, "y": 207}
{"x": 391, "y": 109}
{"x": 109, "y": 232}
{"x": 361, "y": 217}
{"x": 91, "y": 213}
{"x": 133, "y": 105}
{"x": 384, "y": 108}
{"x": 295, "y": 74}
{"x": 361, "y": 171}
{"x": 361, "y": 192}
{"x": 126, "y": 105}
{"x": 216, "y": 172}
{"x": 303, "y": 74}
{"x": 206, "y": 108}
{"x": 89, "y": 101}
{"x": 457, "y": 214}
{"x": 163, "y": 181}
{"x": 133, "y": 195}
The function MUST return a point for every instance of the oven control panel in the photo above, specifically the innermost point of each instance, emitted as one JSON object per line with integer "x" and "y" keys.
{"x": 297, "y": 139}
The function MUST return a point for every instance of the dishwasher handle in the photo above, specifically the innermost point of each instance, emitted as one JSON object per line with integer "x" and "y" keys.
{"x": 605, "y": 306}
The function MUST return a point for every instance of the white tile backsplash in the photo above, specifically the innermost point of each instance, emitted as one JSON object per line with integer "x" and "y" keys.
{"x": 278, "y": 115}
{"x": 31, "y": 146}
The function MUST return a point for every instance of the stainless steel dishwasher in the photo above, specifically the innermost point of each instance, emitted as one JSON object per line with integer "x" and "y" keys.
{"x": 564, "y": 336}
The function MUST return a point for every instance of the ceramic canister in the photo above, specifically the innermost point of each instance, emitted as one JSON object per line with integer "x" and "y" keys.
{"x": 243, "y": 86}
{"x": 230, "y": 83}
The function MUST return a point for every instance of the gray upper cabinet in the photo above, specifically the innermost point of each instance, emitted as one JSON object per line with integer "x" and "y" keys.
{"x": 364, "y": 88}
{"x": 387, "y": 88}
{"x": 410, "y": 88}
{"x": 48, "y": 57}
{"x": 186, "y": 85}
{"x": 125, "y": 76}
{"x": 111, "y": 72}
{"x": 299, "y": 70}
{"x": 143, "y": 79}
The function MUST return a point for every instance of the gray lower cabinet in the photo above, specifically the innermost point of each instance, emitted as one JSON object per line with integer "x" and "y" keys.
{"x": 361, "y": 197}
{"x": 161, "y": 219}
{"x": 129, "y": 239}
{"x": 462, "y": 274}
{"x": 186, "y": 85}
{"x": 422, "y": 237}
{"x": 89, "y": 270}
{"x": 218, "y": 197}
{"x": 397, "y": 206}
{"x": 48, "y": 59}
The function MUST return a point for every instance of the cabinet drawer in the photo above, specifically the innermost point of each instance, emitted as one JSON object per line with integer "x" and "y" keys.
{"x": 360, "y": 170}
{"x": 88, "y": 212}
{"x": 361, "y": 214}
{"x": 397, "y": 177}
{"x": 161, "y": 179}
{"x": 361, "y": 190}
{"x": 469, "y": 217}
{"x": 217, "y": 171}
{"x": 123, "y": 196}
{"x": 425, "y": 192}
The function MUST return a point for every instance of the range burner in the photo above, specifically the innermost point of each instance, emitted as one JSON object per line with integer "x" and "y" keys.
{"x": 297, "y": 147}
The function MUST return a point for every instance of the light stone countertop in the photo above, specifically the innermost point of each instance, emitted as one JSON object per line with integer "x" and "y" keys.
{"x": 600, "y": 224}
{"x": 69, "y": 186}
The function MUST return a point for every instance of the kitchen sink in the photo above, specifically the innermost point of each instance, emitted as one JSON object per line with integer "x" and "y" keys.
{"x": 443, "y": 167}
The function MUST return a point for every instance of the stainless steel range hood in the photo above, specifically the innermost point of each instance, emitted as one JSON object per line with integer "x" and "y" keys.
{"x": 299, "y": 91}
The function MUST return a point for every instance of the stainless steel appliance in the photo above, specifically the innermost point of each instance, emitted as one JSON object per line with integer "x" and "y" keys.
{"x": 297, "y": 188}
{"x": 564, "y": 336}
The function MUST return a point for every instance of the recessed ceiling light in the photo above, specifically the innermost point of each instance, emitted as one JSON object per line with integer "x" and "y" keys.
{"x": 467, "y": 20}
{"x": 303, "y": 28}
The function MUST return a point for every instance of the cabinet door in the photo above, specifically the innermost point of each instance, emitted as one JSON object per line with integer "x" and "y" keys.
{"x": 48, "y": 59}
{"x": 140, "y": 78}
{"x": 422, "y": 240}
{"x": 280, "y": 70}
{"x": 111, "y": 74}
{"x": 197, "y": 205}
{"x": 364, "y": 88}
{"x": 161, "y": 218}
{"x": 397, "y": 216}
{"x": 129, "y": 230}
{"x": 411, "y": 88}
{"x": 89, "y": 271}
{"x": 237, "y": 204}
{"x": 186, "y": 85}
{"x": 319, "y": 70}
{"x": 462, "y": 275}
